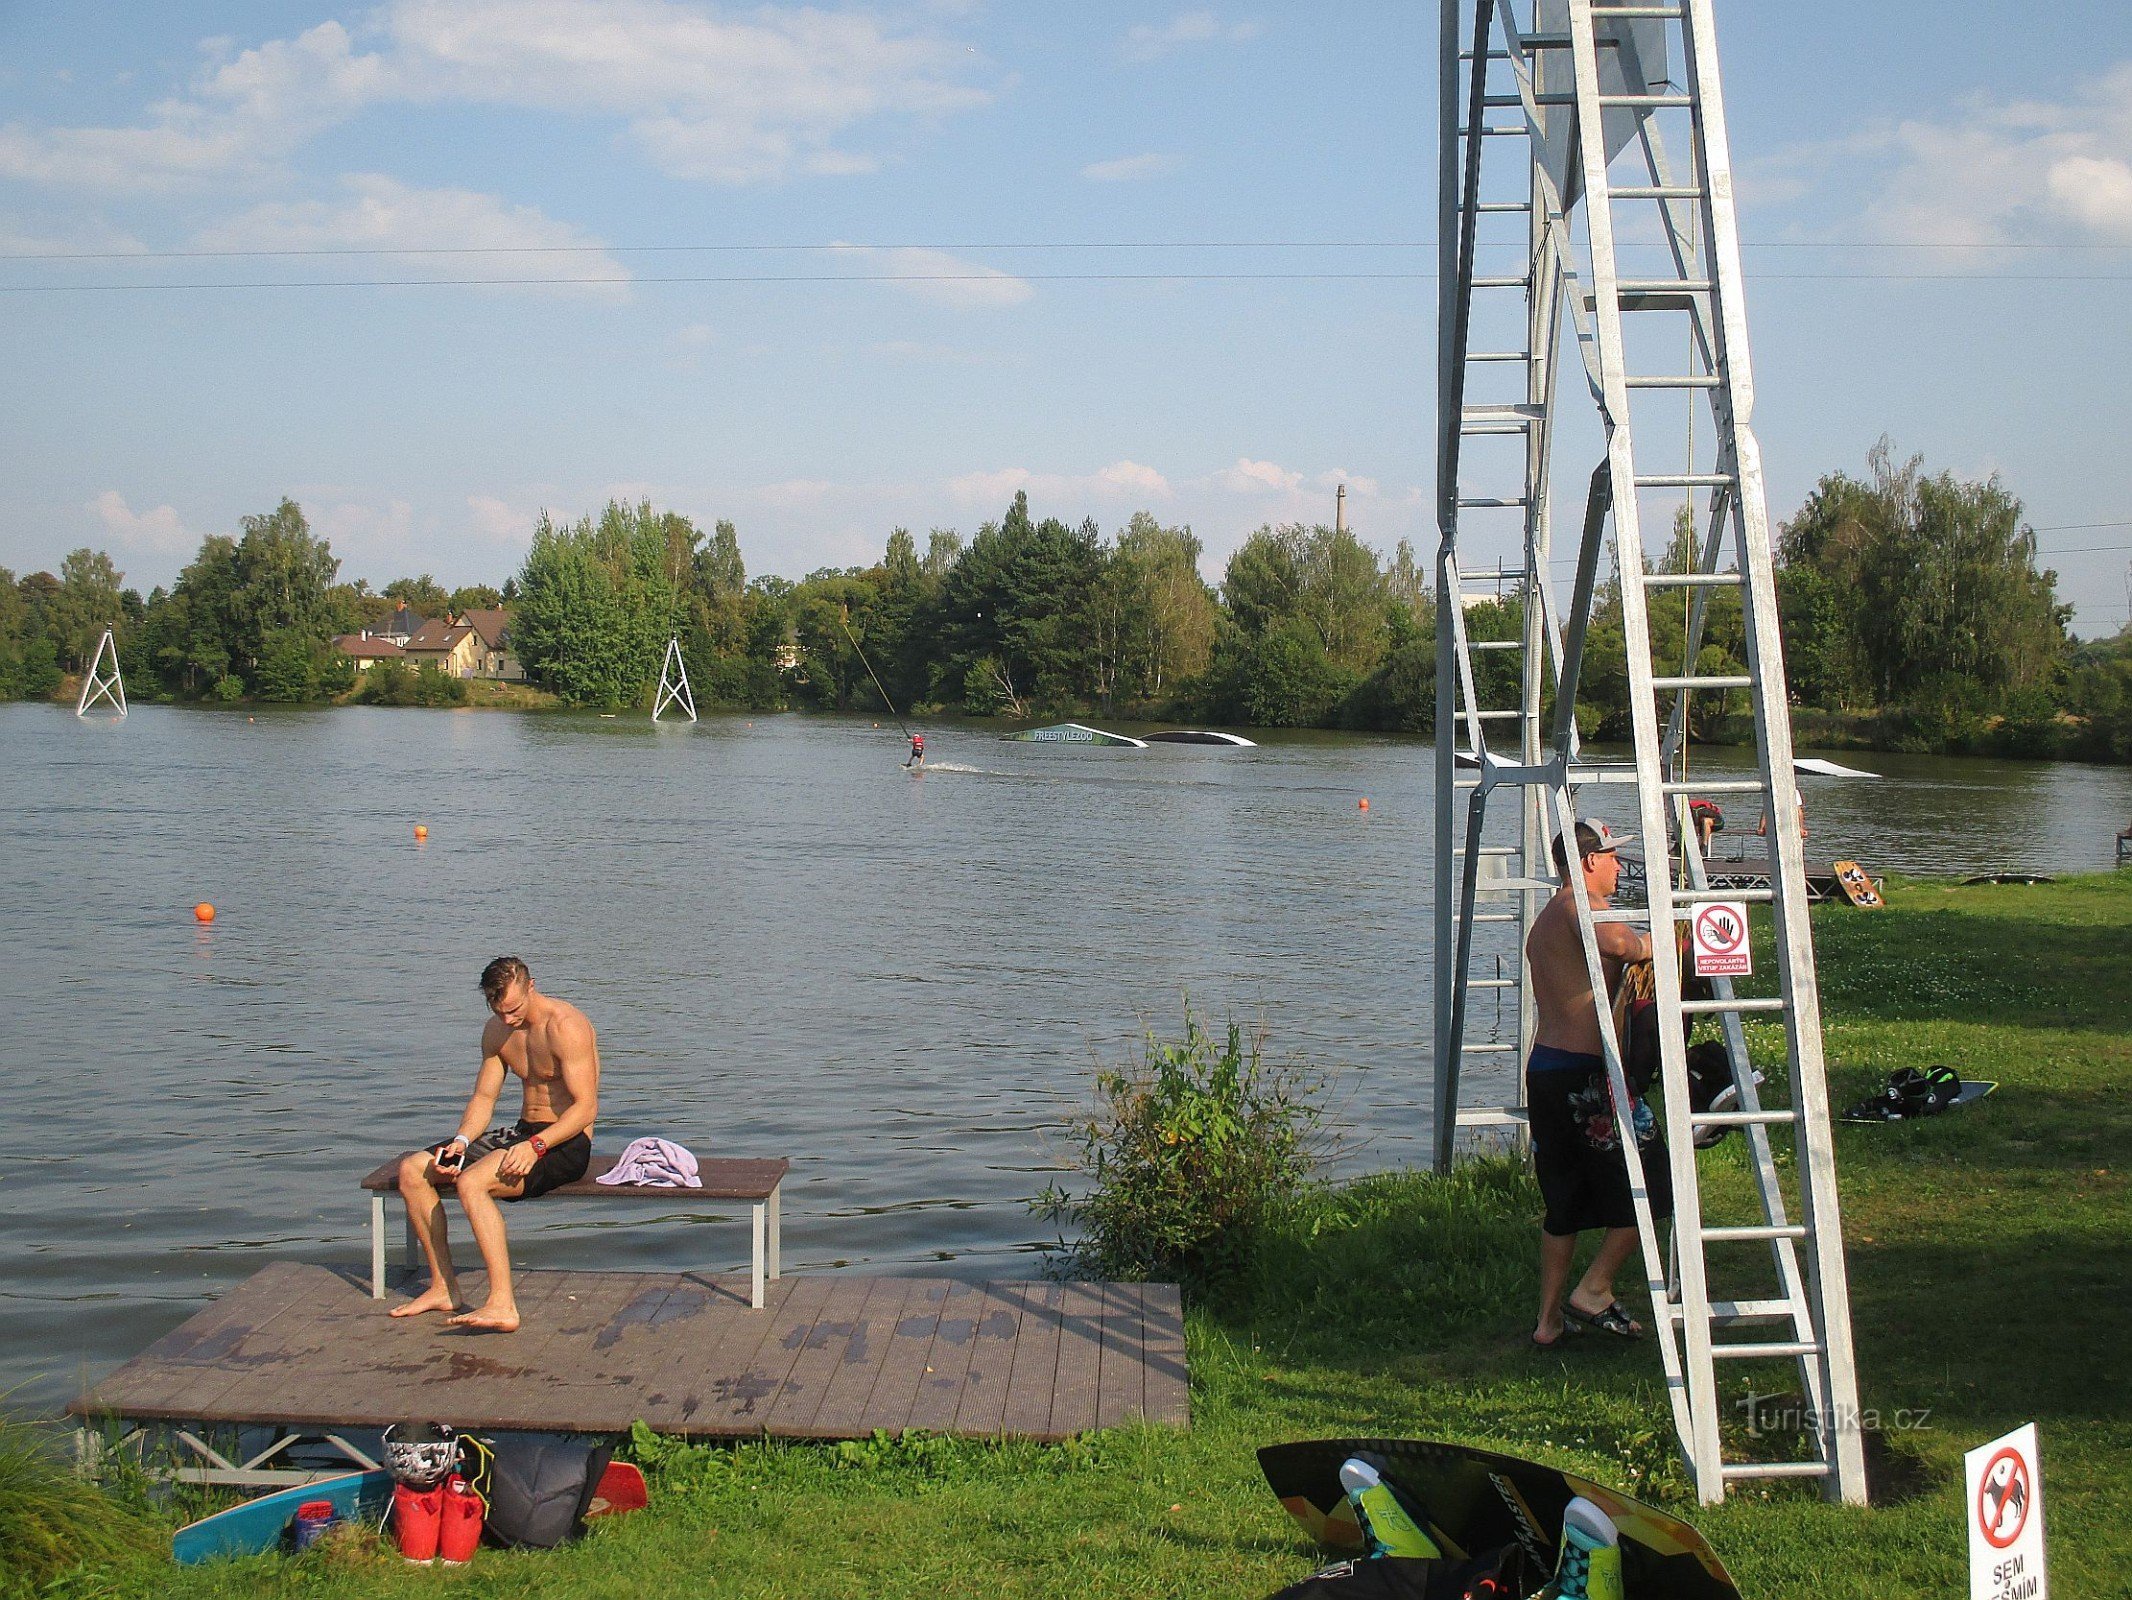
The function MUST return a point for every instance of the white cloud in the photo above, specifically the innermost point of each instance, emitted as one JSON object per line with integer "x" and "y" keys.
{"x": 161, "y": 530}
{"x": 746, "y": 98}
{"x": 1125, "y": 169}
{"x": 374, "y": 212}
{"x": 1132, "y": 477}
{"x": 498, "y": 521}
{"x": 1258, "y": 477}
{"x": 359, "y": 531}
{"x": 940, "y": 277}
{"x": 2017, "y": 171}
{"x": 1145, "y": 42}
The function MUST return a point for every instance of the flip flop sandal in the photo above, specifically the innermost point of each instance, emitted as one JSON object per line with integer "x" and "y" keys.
{"x": 1612, "y": 1319}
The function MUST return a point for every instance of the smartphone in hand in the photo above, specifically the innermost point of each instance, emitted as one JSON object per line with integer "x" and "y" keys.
{"x": 449, "y": 1154}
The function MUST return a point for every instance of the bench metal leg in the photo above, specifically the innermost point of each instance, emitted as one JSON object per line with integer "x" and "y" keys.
{"x": 410, "y": 1243}
{"x": 759, "y": 1229}
{"x": 777, "y": 1231}
{"x": 377, "y": 1247}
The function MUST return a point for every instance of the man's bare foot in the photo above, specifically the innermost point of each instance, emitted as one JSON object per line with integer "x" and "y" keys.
{"x": 491, "y": 1318}
{"x": 435, "y": 1298}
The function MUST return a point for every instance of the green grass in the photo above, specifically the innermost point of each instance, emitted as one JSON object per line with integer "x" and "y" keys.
{"x": 1991, "y": 1266}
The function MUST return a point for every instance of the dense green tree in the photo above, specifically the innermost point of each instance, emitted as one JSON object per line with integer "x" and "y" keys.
{"x": 424, "y": 596}
{"x": 597, "y": 602}
{"x": 1017, "y": 605}
{"x": 284, "y": 579}
{"x": 474, "y": 597}
{"x": 85, "y": 604}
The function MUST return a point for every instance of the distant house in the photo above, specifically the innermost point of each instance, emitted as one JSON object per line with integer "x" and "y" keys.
{"x": 493, "y": 626}
{"x": 366, "y": 650}
{"x": 452, "y": 647}
{"x": 401, "y": 626}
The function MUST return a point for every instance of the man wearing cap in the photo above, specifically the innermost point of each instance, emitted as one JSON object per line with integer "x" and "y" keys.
{"x": 1575, "y": 1142}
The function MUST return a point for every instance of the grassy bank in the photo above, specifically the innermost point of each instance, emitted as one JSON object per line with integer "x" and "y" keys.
{"x": 1991, "y": 1258}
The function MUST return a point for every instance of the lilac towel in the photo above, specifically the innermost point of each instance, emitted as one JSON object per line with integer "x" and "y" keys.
{"x": 654, "y": 1164}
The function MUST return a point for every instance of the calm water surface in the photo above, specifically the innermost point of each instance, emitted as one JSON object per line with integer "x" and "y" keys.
{"x": 788, "y": 945}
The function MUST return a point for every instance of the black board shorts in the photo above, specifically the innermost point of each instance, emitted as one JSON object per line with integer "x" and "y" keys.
{"x": 564, "y": 1163}
{"x": 1574, "y": 1150}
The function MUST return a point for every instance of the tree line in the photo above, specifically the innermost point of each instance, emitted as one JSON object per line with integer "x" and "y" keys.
{"x": 1913, "y": 609}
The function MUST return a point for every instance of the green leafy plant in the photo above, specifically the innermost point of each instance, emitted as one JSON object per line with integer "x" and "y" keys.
{"x": 50, "y": 1520}
{"x": 1187, "y": 1156}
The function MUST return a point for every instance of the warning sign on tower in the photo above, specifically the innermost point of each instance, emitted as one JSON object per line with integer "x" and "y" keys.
{"x": 1719, "y": 931}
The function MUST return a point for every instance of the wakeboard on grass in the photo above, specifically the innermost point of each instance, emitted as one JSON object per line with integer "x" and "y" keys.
{"x": 1473, "y": 1501}
{"x": 1074, "y": 733}
{"x": 1912, "y": 1094}
{"x": 260, "y": 1525}
{"x": 1857, "y": 887}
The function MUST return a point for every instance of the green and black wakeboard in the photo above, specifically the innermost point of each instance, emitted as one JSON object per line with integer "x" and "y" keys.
{"x": 1474, "y": 1501}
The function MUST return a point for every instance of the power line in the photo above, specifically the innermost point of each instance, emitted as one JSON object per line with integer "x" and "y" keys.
{"x": 994, "y": 277}
{"x": 239, "y": 252}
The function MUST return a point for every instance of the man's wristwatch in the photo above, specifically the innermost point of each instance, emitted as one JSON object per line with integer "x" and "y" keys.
{"x": 540, "y": 1145}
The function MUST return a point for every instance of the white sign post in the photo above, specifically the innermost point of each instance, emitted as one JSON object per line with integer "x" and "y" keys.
{"x": 1719, "y": 929}
{"x": 2005, "y": 1501}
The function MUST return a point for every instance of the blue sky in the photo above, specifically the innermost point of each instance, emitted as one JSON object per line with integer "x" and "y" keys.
{"x": 1148, "y": 233}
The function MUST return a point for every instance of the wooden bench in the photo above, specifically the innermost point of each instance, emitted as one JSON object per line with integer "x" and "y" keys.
{"x": 758, "y": 1182}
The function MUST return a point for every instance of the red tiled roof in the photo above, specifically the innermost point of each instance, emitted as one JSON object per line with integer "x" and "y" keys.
{"x": 438, "y": 636}
{"x": 372, "y": 648}
{"x": 491, "y": 623}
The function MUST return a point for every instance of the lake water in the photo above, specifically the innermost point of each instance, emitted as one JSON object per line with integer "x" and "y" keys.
{"x": 788, "y": 944}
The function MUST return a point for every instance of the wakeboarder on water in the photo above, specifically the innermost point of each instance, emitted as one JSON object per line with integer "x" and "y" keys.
{"x": 917, "y": 751}
{"x": 549, "y": 1045}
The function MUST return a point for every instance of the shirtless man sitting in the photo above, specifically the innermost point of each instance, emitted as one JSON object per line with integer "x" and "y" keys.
{"x": 1575, "y": 1143}
{"x": 550, "y": 1046}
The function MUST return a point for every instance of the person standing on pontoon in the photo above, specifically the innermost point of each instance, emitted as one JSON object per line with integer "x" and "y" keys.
{"x": 550, "y": 1047}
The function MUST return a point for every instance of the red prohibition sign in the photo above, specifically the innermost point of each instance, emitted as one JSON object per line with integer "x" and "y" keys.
{"x": 2017, "y": 1492}
{"x": 1719, "y": 930}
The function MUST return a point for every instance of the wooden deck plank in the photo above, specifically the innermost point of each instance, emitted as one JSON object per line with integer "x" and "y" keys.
{"x": 1035, "y": 1367}
{"x": 1166, "y": 1383}
{"x": 947, "y": 1360}
{"x": 828, "y": 1357}
{"x": 1074, "y": 1391}
{"x": 1120, "y": 1396}
{"x": 708, "y": 1331}
{"x": 742, "y": 1395}
{"x": 844, "y": 1406}
{"x": 818, "y": 1353}
{"x": 255, "y": 1356}
{"x": 904, "y": 1360}
{"x": 984, "y": 1389}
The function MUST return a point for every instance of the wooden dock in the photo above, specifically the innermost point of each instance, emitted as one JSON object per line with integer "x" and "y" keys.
{"x": 829, "y": 1357}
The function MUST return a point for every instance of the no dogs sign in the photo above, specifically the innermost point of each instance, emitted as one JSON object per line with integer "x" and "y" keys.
{"x": 2005, "y": 1502}
{"x": 1720, "y": 938}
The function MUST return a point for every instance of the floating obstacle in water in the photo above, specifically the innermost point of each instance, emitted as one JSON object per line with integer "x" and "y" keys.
{"x": 1202, "y": 736}
{"x": 1074, "y": 733}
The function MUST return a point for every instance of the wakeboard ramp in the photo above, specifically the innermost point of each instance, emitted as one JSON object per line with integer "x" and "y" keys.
{"x": 1474, "y": 1501}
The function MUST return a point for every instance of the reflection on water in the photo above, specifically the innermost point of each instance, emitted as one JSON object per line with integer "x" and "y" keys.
{"x": 789, "y": 945}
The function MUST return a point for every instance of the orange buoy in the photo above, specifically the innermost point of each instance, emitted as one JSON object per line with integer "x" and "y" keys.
{"x": 1362, "y": 805}
{"x": 203, "y": 912}
{"x": 421, "y": 832}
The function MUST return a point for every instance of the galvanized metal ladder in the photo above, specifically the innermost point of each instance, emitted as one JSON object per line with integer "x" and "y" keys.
{"x": 1589, "y": 83}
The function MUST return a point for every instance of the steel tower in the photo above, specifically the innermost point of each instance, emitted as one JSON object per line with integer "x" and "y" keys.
{"x": 1586, "y": 220}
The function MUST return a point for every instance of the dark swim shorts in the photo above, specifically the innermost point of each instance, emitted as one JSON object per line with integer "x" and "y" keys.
{"x": 1574, "y": 1150}
{"x": 564, "y": 1163}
